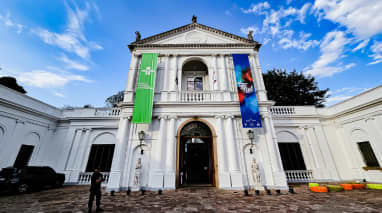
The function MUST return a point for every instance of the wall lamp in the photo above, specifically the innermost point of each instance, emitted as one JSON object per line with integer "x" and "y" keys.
{"x": 141, "y": 136}
{"x": 251, "y": 136}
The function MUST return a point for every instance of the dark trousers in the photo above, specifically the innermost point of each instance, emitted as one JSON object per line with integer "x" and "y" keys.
{"x": 93, "y": 193}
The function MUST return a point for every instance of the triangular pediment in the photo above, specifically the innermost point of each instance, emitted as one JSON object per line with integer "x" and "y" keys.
{"x": 197, "y": 36}
{"x": 193, "y": 34}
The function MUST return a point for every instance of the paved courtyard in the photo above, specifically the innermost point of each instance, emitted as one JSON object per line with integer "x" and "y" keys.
{"x": 74, "y": 199}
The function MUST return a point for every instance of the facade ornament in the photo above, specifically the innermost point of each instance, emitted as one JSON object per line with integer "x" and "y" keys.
{"x": 250, "y": 37}
{"x": 137, "y": 36}
{"x": 137, "y": 175}
{"x": 172, "y": 117}
{"x": 194, "y": 19}
{"x": 256, "y": 173}
{"x": 219, "y": 116}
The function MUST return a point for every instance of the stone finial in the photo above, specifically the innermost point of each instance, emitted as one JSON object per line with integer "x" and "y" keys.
{"x": 194, "y": 19}
{"x": 137, "y": 36}
{"x": 250, "y": 37}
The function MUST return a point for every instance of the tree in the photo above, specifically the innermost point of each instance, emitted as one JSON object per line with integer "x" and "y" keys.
{"x": 11, "y": 83}
{"x": 293, "y": 89}
{"x": 113, "y": 100}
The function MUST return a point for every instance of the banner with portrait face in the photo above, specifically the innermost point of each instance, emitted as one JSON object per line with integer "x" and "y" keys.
{"x": 249, "y": 107}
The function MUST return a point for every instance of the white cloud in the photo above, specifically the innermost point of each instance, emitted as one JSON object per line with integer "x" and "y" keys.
{"x": 58, "y": 94}
{"x": 361, "y": 45}
{"x": 362, "y": 17}
{"x": 376, "y": 48}
{"x": 275, "y": 25}
{"x": 332, "y": 49}
{"x": 46, "y": 79}
{"x": 71, "y": 64}
{"x": 250, "y": 28}
{"x": 303, "y": 44}
{"x": 256, "y": 8}
{"x": 336, "y": 99}
{"x": 343, "y": 94}
{"x": 8, "y": 22}
{"x": 72, "y": 39}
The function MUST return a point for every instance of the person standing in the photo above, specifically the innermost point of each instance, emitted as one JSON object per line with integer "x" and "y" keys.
{"x": 95, "y": 190}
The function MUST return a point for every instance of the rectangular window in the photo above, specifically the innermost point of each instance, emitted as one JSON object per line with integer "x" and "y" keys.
{"x": 368, "y": 154}
{"x": 195, "y": 83}
{"x": 101, "y": 155}
{"x": 291, "y": 156}
{"x": 24, "y": 156}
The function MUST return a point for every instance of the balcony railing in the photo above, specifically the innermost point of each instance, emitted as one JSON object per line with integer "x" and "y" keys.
{"x": 198, "y": 96}
{"x": 85, "y": 178}
{"x": 107, "y": 112}
{"x": 299, "y": 176}
{"x": 283, "y": 110}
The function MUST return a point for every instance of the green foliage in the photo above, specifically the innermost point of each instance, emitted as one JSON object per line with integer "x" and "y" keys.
{"x": 293, "y": 89}
{"x": 11, "y": 83}
{"x": 113, "y": 100}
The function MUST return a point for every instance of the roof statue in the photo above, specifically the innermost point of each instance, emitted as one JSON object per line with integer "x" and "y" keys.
{"x": 194, "y": 19}
{"x": 137, "y": 36}
{"x": 250, "y": 37}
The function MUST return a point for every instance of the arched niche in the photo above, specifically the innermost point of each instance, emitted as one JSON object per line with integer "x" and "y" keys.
{"x": 32, "y": 138}
{"x": 286, "y": 137}
{"x": 144, "y": 170}
{"x": 104, "y": 138}
{"x": 359, "y": 135}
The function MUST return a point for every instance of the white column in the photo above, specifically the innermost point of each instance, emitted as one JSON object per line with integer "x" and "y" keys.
{"x": 330, "y": 169}
{"x": 74, "y": 150}
{"x": 169, "y": 181}
{"x": 133, "y": 68}
{"x": 174, "y": 69}
{"x": 375, "y": 135}
{"x": 279, "y": 177}
{"x": 224, "y": 176}
{"x": 172, "y": 77}
{"x": 233, "y": 155}
{"x": 223, "y": 71}
{"x": 132, "y": 76}
{"x": 119, "y": 155}
{"x": 233, "y": 161}
{"x": 77, "y": 163}
{"x": 156, "y": 173}
{"x": 258, "y": 77}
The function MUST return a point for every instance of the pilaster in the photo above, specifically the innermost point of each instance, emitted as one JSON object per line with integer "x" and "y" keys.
{"x": 169, "y": 179}
{"x": 158, "y": 148}
{"x": 132, "y": 77}
{"x": 119, "y": 155}
{"x": 258, "y": 77}
{"x": 279, "y": 178}
{"x": 224, "y": 176}
{"x": 79, "y": 156}
{"x": 233, "y": 155}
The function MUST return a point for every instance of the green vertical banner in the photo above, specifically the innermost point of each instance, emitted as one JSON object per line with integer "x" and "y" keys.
{"x": 144, "y": 92}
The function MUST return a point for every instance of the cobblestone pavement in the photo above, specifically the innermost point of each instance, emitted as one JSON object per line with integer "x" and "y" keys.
{"x": 74, "y": 199}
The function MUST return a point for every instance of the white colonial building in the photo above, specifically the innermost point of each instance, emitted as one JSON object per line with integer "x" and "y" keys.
{"x": 196, "y": 134}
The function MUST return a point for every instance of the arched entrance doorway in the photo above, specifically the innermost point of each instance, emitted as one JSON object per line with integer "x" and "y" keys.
{"x": 196, "y": 158}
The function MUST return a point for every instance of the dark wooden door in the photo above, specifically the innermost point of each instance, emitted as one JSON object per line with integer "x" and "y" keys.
{"x": 197, "y": 163}
{"x": 24, "y": 156}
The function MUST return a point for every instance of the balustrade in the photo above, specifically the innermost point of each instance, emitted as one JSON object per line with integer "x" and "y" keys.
{"x": 107, "y": 112}
{"x": 283, "y": 110}
{"x": 85, "y": 178}
{"x": 196, "y": 96}
{"x": 299, "y": 176}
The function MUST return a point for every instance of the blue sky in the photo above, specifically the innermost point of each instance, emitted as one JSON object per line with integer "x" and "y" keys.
{"x": 75, "y": 52}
